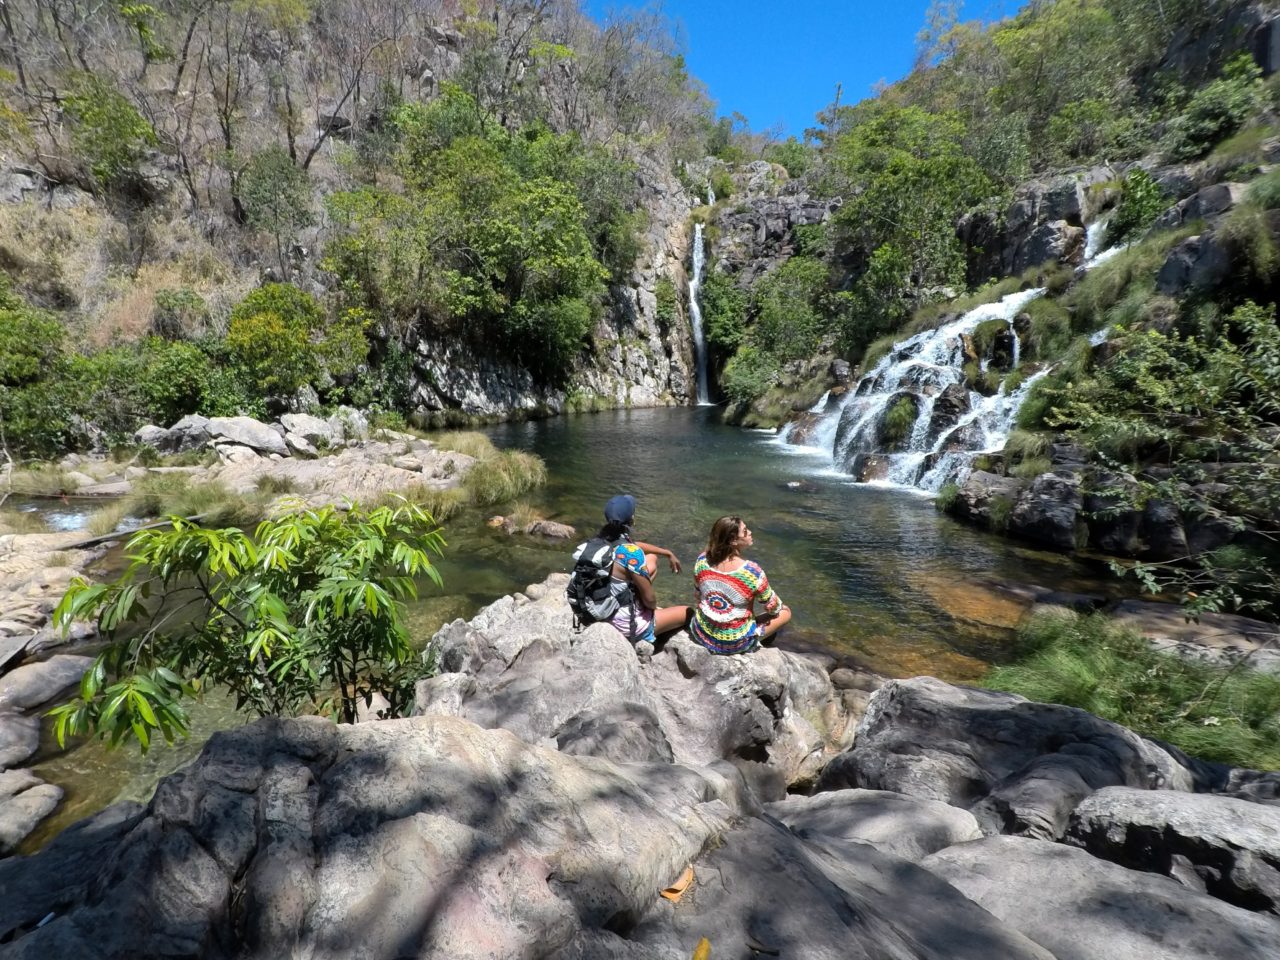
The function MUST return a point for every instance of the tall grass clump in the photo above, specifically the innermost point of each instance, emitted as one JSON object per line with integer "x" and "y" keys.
{"x": 503, "y": 476}
{"x": 167, "y": 495}
{"x": 877, "y": 351}
{"x": 1231, "y": 715}
{"x": 440, "y": 503}
{"x": 21, "y": 521}
{"x": 468, "y": 442}
{"x": 1105, "y": 285}
{"x": 106, "y": 519}
{"x": 898, "y": 421}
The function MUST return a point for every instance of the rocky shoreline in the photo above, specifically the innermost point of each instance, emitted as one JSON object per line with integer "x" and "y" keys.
{"x": 553, "y": 782}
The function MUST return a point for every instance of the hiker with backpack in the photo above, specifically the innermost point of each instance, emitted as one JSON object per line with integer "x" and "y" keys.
{"x": 728, "y": 585}
{"x": 613, "y": 578}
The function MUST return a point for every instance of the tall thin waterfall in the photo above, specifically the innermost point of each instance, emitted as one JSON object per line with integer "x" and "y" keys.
{"x": 695, "y": 308}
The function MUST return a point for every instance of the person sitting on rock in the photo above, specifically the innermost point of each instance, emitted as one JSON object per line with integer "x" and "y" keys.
{"x": 728, "y": 585}
{"x": 635, "y": 564}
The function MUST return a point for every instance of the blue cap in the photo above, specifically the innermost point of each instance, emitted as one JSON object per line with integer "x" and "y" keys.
{"x": 620, "y": 509}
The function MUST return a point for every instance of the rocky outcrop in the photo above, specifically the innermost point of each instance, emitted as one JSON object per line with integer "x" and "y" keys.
{"x": 1020, "y": 767}
{"x": 1044, "y": 223}
{"x": 1207, "y": 204}
{"x": 1219, "y": 638}
{"x": 1222, "y": 846}
{"x": 1081, "y": 908}
{"x": 519, "y": 665}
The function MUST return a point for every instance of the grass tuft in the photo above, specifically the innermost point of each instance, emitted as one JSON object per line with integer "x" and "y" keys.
{"x": 1228, "y": 715}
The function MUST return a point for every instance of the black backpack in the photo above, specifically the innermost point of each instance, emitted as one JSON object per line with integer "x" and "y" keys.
{"x": 592, "y": 592}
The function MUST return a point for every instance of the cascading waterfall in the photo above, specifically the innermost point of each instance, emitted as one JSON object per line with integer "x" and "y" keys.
{"x": 695, "y": 308}
{"x": 950, "y": 424}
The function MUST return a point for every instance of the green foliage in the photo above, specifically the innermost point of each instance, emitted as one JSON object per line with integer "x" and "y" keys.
{"x": 1131, "y": 271}
{"x": 876, "y": 352}
{"x": 1265, "y": 191}
{"x": 748, "y": 374}
{"x": 1222, "y": 714}
{"x": 1030, "y": 468}
{"x": 947, "y": 497}
{"x": 724, "y": 311}
{"x": 1217, "y": 110}
{"x": 999, "y": 510}
{"x": 178, "y": 313}
{"x": 107, "y": 130}
{"x": 721, "y": 184}
{"x": 503, "y": 476}
{"x": 1050, "y": 331}
{"x": 303, "y": 615}
{"x": 279, "y": 339}
{"x": 879, "y": 302}
{"x": 898, "y": 421}
{"x": 788, "y": 305}
{"x": 664, "y": 292}
{"x": 795, "y": 157}
{"x": 906, "y": 180}
{"x": 1141, "y": 201}
{"x": 276, "y": 195}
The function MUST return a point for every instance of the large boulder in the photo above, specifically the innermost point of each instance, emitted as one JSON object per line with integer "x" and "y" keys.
{"x": 520, "y": 665}
{"x": 1222, "y": 846}
{"x": 25, "y": 800}
{"x": 1082, "y": 908}
{"x": 314, "y": 430}
{"x": 907, "y": 827}
{"x": 19, "y": 738}
{"x": 426, "y": 838}
{"x": 1196, "y": 265}
{"x": 1020, "y": 767}
{"x": 247, "y": 432}
{"x": 1208, "y": 204}
{"x": 984, "y": 497}
{"x": 1048, "y": 511}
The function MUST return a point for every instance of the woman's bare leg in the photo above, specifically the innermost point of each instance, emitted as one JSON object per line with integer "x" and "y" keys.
{"x": 666, "y": 619}
{"x": 777, "y": 623}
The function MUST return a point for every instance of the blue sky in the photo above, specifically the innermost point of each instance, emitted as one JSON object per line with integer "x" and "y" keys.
{"x": 778, "y": 61}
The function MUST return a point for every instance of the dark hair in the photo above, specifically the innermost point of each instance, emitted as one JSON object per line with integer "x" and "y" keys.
{"x": 723, "y": 534}
{"x": 612, "y": 531}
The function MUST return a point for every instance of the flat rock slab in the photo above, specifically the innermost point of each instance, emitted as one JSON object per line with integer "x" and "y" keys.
{"x": 765, "y": 893}
{"x": 35, "y": 684}
{"x": 1225, "y": 847}
{"x": 1216, "y": 638}
{"x": 1081, "y": 908}
{"x": 899, "y": 825}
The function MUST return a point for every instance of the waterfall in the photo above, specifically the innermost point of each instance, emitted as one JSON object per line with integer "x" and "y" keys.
{"x": 695, "y": 308}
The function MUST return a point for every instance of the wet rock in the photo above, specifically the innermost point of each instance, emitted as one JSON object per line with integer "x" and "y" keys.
{"x": 1020, "y": 767}
{"x": 25, "y": 800}
{"x": 869, "y": 467}
{"x": 36, "y": 684}
{"x": 551, "y": 530}
{"x": 1162, "y": 535}
{"x": 983, "y": 495}
{"x": 841, "y": 373}
{"x": 19, "y": 738}
{"x": 952, "y": 404}
{"x": 1222, "y": 846}
{"x": 1115, "y": 527}
{"x": 1048, "y": 511}
{"x": 1082, "y": 908}
{"x": 899, "y": 825}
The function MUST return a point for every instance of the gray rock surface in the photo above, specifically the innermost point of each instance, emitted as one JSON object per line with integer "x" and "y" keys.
{"x": 1020, "y": 767}
{"x": 1223, "y": 846}
{"x": 25, "y": 800}
{"x": 35, "y": 684}
{"x": 1221, "y": 638}
{"x": 19, "y": 738}
{"x": 1082, "y": 908}
{"x": 519, "y": 665}
{"x": 764, "y": 893}
{"x": 1048, "y": 511}
{"x": 314, "y": 430}
{"x": 903, "y": 826}
{"x": 247, "y": 432}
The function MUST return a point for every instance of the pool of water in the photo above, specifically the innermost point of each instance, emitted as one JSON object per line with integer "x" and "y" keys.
{"x": 871, "y": 573}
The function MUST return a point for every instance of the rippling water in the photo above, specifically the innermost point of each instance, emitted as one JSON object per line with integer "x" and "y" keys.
{"x": 871, "y": 573}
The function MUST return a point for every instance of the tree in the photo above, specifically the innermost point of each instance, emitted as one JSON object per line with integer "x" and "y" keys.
{"x": 277, "y": 198}
{"x": 304, "y": 615}
{"x": 108, "y": 133}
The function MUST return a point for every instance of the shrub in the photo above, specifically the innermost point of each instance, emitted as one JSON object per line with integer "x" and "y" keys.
{"x": 947, "y": 497}
{"x": 748, "y": 374}
{"x": 1217, "y": 109}
{"x": 1030, "y": 468}
{"x": 721, "y": 183}
{"x": 1227, "y": 715}
{"x": 664, "y": 292}
{"x": 107, "y": 131}
{"x": 179, "y": 314}
{"x": 724, "y": 311}
{"x": 304, "y": 615}
{"x": 898, "y": 421}
{"x": 276, "y": 195}
{"x": 1050, "y": 331}
{"x": 1141, "y": 201}
{"x": 999, "y": 510}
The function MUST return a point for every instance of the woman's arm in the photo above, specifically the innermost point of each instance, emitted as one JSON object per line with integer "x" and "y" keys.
{"x": 764, "y": 593}
{"x": 661, "y": 552}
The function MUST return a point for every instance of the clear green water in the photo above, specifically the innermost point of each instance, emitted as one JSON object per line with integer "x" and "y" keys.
{"x": 873, "y": 574}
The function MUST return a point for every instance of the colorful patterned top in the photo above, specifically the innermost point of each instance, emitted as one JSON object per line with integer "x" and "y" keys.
{"x": 724, "y": 622}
